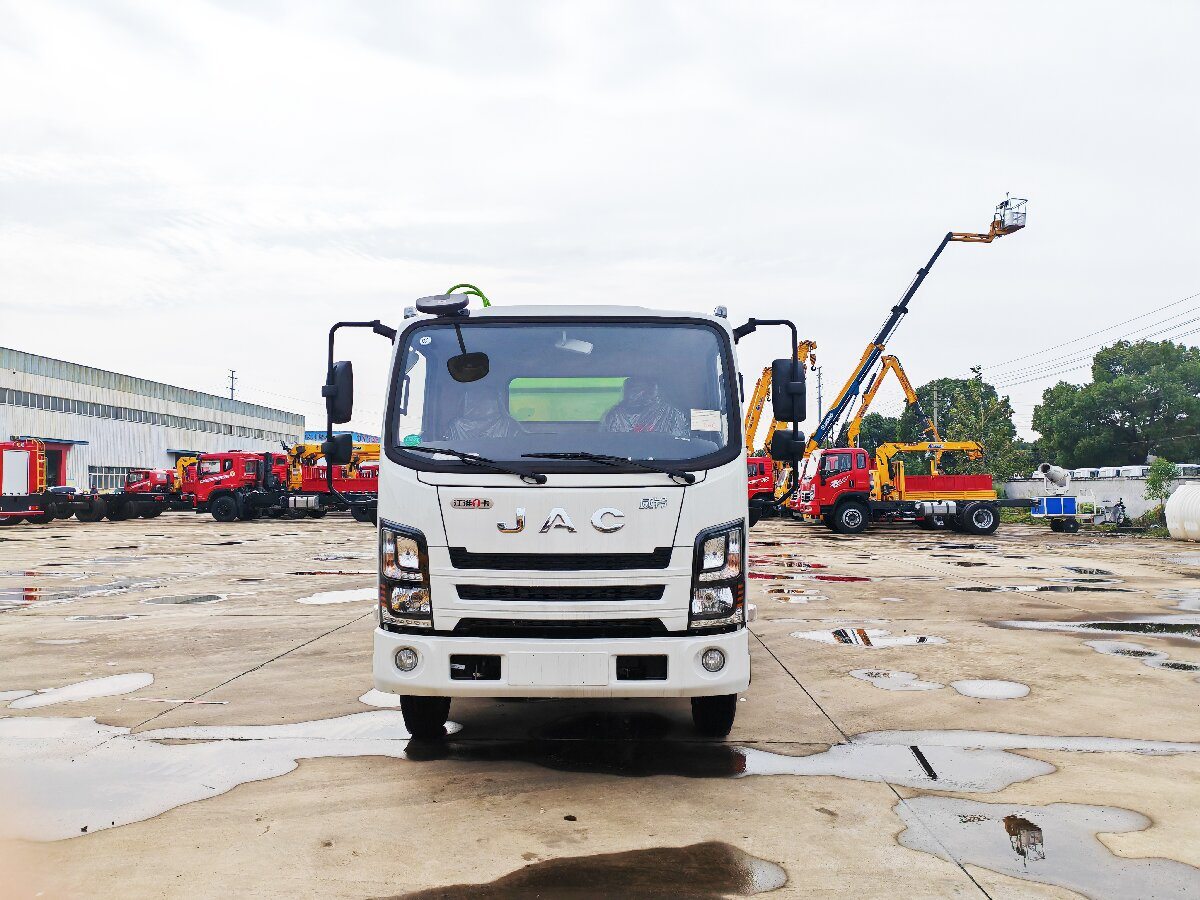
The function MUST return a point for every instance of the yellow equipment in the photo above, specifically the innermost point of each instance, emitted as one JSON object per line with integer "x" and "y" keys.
{"x": 180, "y": 465}
{"x": 890, "y": 364}
{"x": 889, "y": 481}
{"x": 309, "y": 453}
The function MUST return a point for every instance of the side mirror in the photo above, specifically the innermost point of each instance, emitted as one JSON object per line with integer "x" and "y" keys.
{"x": 338, "y": 392}
{"x": 467, "y": 367}
{"x": 787, "y": 446}
{"x": 338, "y": 449}
{"x": 788, "y": 398}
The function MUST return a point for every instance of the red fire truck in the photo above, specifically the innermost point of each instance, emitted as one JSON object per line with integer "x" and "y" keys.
{"x": 761, "y": 486}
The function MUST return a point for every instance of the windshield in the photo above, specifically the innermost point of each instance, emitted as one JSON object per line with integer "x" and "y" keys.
{"x": 647, "y": 391}
{"x": 210, "y": 466}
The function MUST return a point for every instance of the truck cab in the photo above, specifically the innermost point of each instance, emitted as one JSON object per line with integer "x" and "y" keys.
{"x": 227, "y": 483}
{"x": 562, "y": 511}
{"x": 832, "y": 481}
{"x": 149, "y": 481}
{"x": 760, "y": 487}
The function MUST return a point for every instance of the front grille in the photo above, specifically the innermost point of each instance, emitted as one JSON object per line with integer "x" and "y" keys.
{"x": 461, "y": 558}
{"x": 552, "y": 594}
{"x": 560, "y": 629}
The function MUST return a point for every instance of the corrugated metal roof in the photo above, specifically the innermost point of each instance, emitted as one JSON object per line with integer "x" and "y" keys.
{"x": 48, "y": 367}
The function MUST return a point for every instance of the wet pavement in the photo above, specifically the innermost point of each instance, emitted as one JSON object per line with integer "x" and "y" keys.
{"x": 188, "y": 711}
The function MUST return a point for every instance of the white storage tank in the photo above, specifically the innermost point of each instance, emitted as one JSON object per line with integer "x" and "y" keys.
{"x": 1183, "y": 513}
{"x": 1134, "y": 471}
{"x": 1108, "y": 472}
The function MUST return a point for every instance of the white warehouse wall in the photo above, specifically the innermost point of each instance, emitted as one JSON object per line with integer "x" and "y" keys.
{"x": 100, "y": 440}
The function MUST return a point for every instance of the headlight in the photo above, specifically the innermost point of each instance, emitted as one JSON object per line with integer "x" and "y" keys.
{"x": 718, "y": 579}
{"x": 404, "y": 595}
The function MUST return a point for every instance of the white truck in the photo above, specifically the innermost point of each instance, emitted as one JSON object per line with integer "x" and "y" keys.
{"x": 562, "y": 506}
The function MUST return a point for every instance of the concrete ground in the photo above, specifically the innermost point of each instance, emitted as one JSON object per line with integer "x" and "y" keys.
{"x": 890, "y": 782}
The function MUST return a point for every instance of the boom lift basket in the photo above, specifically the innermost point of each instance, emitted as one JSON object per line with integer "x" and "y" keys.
{"x": 1010, "y": 215}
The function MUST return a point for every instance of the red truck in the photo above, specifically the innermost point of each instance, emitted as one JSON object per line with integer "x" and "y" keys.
{"x": 239, "y": 484}
{"x": 761, "y": 486}
{"x": 26, "y": 496}
{"x": 844, "y": 489}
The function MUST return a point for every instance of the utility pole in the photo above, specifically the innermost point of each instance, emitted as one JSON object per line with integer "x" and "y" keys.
{"x": 935, "y": 410}
{"x": 820, "y": 403}
{"x": 232, "y": 381}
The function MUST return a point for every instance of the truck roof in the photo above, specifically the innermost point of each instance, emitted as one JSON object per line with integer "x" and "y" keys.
{"x": 597, "y": 311}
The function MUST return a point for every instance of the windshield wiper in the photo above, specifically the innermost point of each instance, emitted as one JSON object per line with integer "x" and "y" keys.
{"x": 474, "y": 459}
{"x": 607, "y": 459}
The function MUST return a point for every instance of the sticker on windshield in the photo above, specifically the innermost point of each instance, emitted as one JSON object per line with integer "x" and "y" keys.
{"x": 411, "y": 440}
{"x": 706, "y": 420}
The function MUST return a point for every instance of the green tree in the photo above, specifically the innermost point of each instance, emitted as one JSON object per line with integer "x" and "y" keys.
{"x": 1144, "y": 399}
{"x": 876, "y": 430}
{"x": 1158, "y": 480}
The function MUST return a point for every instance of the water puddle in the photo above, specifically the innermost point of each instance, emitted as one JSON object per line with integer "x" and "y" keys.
{"x": 380, "y": 698}
{"x": 58, "y": 642}
{"x": 336, "y": 572}
{"x": 867, "y": 637}
{"x": 895, "y": 681}
{"x": 841, "y": 578}
{"x": 112, "y": 618}
{"x": 185, "y": 600}
{"x": 1155, "y": 659}
{"x": 985, "y": 689}
{"x": 1184, "y": 598}
{"x": 110, "y": 686}
{"x": 709, "y": 870}
{"x": 338, "y": 557}
{"x": 1055, "y": 844}
{"x": 350, "y": 596}
{"x": 1040, "y": 588}
{"x": 1087, "y": 570}
{"x": 1152, "y": 626}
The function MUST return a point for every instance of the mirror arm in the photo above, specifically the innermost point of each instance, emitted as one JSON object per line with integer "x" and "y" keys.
{"x": 327, "y": 390}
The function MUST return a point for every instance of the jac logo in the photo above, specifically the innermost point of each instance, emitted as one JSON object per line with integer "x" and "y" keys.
{"x": 606, "y": 520}
{"x": 653, "y": 503}
{"x": 473, "y": 503}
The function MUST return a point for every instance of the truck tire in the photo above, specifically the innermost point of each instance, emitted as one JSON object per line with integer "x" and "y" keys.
{"x": 851, "y": 517}
{"x": 116, "y": 513}
{"x": 1070, "y": 526}
{"x": 224, "y": 508}
{"x": 362, "y": 515}
{"x": 41, "y": 518}
{"x": 981, "y": 518}
{"x": 425, "y": 717}
{"x": 713, "y": 716}
{"x": 154, "y": 513}
{"x": 316, "y": 513}
{"x": 11, "y": 520}
{"x": 94, "y": 513}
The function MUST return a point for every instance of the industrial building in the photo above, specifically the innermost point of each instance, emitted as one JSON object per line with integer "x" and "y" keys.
{"x": 97, "y": 425}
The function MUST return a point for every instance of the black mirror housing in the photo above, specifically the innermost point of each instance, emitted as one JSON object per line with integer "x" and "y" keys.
{"x": 467, "y": 367}
{"x": 787, "y": 446}
{"x": 338, "y": 449}
{"x": 788, "y": 398}
{"x": 339, "y": 392}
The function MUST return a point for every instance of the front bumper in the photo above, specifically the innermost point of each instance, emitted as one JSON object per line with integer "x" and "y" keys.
{"x": 579, "y": 672}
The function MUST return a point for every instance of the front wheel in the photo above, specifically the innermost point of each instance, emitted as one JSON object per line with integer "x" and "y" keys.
{"x": 981, "y": 518}
{"x": 11, "y": 520}
{"x": 1070, "y": 526}
{"x": 713, "y": 716}
{"x": 316, "y": 513}
{"x": 851, "y": 517}
{"x": 425, "y": 717}
{"x": 224, "y": 509}
{"x": 41, "y": 518}
{"x": 95, "y": 511}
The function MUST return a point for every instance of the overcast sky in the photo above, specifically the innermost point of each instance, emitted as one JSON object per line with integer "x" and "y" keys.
{"x": 191, "y": 187}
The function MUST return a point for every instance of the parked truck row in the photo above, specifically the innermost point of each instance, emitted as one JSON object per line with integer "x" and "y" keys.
{"x": 229, "y": 485}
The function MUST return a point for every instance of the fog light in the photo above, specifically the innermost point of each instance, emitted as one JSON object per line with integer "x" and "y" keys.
{"x": 407, "y": 659}
{"x": 713, "y": 660}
